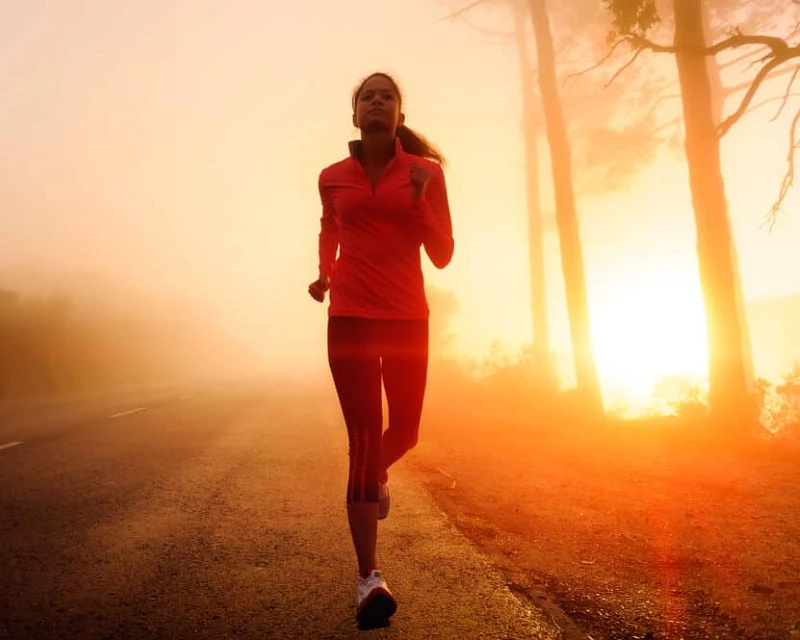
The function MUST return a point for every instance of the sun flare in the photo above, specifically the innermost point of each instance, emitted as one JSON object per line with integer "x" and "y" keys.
{"x": 646, "y": 329}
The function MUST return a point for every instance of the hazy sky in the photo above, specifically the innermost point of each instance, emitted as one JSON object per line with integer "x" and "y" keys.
{"x": 176, "y": 146}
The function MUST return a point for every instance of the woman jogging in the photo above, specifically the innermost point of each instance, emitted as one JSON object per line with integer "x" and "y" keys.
{"x": 380, "y": 206}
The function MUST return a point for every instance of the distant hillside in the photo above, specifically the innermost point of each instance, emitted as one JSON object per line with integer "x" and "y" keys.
{"x": 775, "y": 333}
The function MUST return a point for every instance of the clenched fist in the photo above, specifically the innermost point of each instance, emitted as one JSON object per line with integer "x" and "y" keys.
{"x": 419, "y": 181}
{"x": 318, "y": 288}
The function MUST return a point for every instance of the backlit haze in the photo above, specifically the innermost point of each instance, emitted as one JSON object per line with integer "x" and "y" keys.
{"x": 173, "y": 148}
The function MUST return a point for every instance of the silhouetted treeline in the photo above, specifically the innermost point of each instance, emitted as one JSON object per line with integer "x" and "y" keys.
{"x": 47, "y": 346}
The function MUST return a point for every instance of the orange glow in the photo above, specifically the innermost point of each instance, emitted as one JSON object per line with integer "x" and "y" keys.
{"x": 651, "y": 328}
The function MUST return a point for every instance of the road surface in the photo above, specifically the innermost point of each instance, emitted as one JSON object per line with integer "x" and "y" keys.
{"x": 217, "y": 514}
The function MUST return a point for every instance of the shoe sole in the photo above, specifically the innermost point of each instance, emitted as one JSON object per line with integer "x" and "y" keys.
{"x": 377, "y": 610}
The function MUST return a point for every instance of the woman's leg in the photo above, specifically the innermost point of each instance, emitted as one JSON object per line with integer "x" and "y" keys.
{"x": 405, "y": 371}
{"x": 356, "y": 368}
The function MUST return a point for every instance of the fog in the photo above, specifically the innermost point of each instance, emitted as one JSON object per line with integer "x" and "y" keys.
{"x": 156, "y": 156}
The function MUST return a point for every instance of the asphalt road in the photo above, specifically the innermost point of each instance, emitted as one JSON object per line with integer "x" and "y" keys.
{"x": 217, "y": 513}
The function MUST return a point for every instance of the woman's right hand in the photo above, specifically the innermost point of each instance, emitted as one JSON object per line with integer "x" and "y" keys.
{"x": 318, "y": 288}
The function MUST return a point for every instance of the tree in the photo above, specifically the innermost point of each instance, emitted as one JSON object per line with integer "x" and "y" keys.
{"x": 715, "y": 14}
{"x": 718, "y": 94}
{"x": 566, "y": 213}
{"x": 588, "y": 385}
{"x": 728, "y": 389}
{"x": 729, "y": 399}
{"x": 541, "y": 333}
{"x": 530, "y": 129}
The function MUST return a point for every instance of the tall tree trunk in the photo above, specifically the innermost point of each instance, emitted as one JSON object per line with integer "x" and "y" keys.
{"x": 718, "y": 107}
{"x": 541, "y": 331}
{"x": 729, "y": 400}
{"x": 566, "y": 215}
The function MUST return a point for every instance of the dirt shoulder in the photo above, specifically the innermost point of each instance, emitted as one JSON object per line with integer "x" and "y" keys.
{"x": 630, "y": 532}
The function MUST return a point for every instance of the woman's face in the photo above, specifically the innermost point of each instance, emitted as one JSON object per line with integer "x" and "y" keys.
{"x": 377, "y": 108}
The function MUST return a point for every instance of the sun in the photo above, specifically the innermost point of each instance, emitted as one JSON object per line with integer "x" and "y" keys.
{"x": 647, "y": 328}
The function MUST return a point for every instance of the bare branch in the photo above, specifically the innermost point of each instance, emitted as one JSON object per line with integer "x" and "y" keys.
{"x": 666, "y": 125}
{"x": 643, "y": 43}
{"x": 779, "y": 52}
{"x": 619, "y": 72}
{"x": 788, "y": 178}
{"x": 604, "y": 59}
{"x": 748, "y": 97}
{"x": 729, "y": 91}
{"x": 760, "y": 60}
{"x": 737, "y": 60}
{"x": 786, "y": 95}
{"x": 767, "y": 101}
{"x": 778, "y": 46}
{"x": 459, "y": 12}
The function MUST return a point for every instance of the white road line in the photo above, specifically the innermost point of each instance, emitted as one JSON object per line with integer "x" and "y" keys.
{"x": 127, "y": 413}
{"x": 8, "y": 445}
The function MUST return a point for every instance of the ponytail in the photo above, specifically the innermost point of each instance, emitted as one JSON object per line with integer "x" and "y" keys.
{"x": 416, "y": 144}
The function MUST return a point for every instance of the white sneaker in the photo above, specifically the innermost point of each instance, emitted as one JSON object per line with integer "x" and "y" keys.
{"x": 383, "y": 500}
{"x": 374, "y": 602}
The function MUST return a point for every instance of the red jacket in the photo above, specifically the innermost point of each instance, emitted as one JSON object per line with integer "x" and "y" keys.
{"x": 378, "y": 233}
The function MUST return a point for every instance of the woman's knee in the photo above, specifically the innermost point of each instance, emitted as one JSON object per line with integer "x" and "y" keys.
{"x": 365, "y": 454}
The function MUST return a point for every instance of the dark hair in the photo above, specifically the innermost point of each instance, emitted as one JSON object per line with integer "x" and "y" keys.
{"x": 413, "y": 142}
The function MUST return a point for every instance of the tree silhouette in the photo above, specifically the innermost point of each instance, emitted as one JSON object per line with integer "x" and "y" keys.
{"x": 729, "y": 397}
{"x": 566, "y": 211}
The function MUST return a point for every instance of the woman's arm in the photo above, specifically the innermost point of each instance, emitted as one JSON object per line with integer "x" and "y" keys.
{"x": 436, "y": 224}
{"x": 329, "y": 231}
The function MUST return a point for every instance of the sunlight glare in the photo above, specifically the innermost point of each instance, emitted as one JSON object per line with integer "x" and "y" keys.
{"x": 645, "y": 330}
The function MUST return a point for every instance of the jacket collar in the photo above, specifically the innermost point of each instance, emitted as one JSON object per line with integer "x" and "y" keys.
{"x": 354, "y": 146}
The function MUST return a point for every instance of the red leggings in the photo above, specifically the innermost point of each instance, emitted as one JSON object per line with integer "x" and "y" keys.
{"x": 363, "y": 354}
